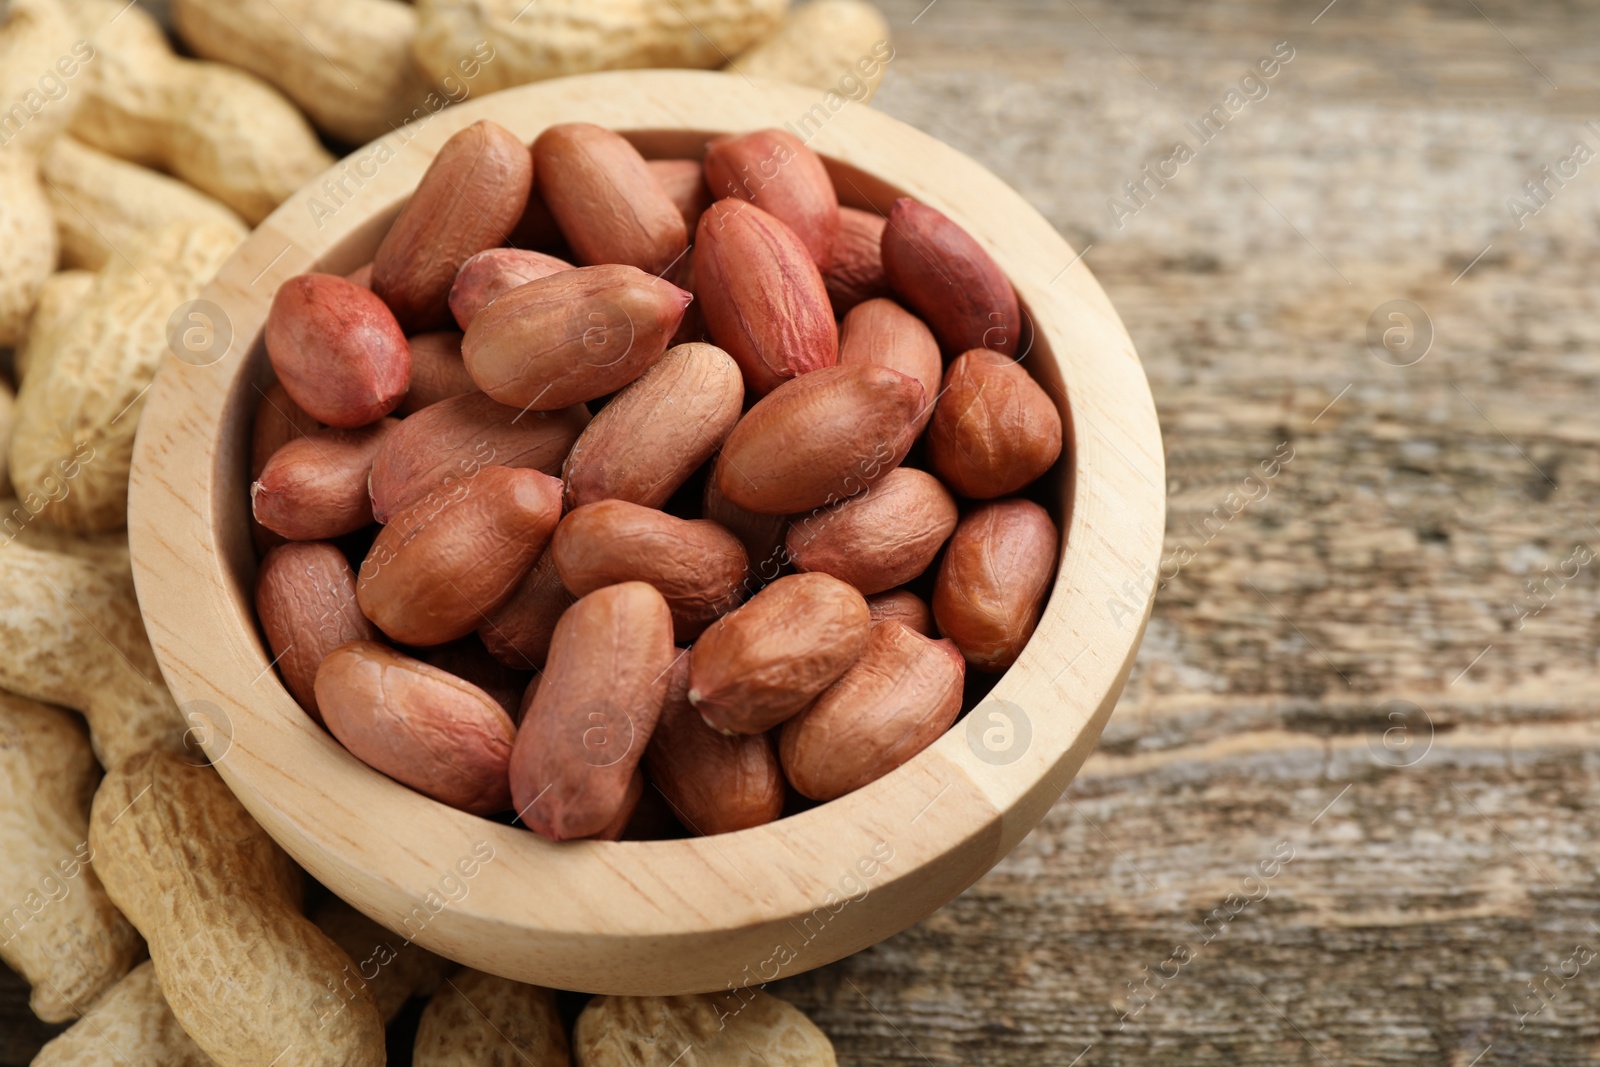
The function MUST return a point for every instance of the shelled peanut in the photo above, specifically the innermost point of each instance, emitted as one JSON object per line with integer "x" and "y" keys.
{"x": 672, "y": 546}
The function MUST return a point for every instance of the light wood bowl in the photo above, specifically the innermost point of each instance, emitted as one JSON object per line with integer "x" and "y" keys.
{"x": 660, "y": 916}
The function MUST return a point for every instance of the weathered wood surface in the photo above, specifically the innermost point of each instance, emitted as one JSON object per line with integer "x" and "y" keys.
{"x": 1445, "y": 858}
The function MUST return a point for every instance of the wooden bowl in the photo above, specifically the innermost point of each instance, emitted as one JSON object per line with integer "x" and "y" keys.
{"x": 660, "y": 916}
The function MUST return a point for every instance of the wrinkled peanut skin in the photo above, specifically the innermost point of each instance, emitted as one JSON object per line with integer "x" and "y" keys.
{"x": 469, "y": 199}
{"x": 716, "y": 783}
{"x": 697, "y": 565}
{"x": 994, "y": 429}
{"x": 994, "y": 580}
{"x": 421, "y": 726}
{"x": 878, "y": 539}
{"x": 685, "y": 183}
{"x": 608, "y": 203}
{"x": 596, "y": 707}
{"x": 437, "y": 372}
{"x": 731, "y": 1029}
{"x": 306, "y": 600}
{"x": 949, "y": 280}
{"x": 775, "y": 171}
{"x": 493, "y": 272}
{"x": 762, "y": 295}
{"x": 896, "y": 700}
{"x": 882, "y": 332}
{"x": 518, "y": 632}
{"x": 651, "y": 436}
{"x": 573, "y": 336}
{"x": 819, "y": 439}
{"x": 761, "y": 535}
{"x": 443, "y": 564}
{"x": 762, "y": 663}
{"x": 315, "y": 487}
{"x": 455, "y": 438}
{"x": 902, "y": 606}
{"x": 857, "y": 272}
{"x": 337, "y": 350}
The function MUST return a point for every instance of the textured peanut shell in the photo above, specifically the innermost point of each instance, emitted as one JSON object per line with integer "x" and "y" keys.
{"x": 947, "y": 278}
{"x": 421, "y": 726}
{"x": 518, "y": 633}
{"x": 493, "y": 272}
{"x": 715, "y": 783}
{"x": 697, "y": 565}
{"x": 596, "y": 706}
{"x": 994, "y": 580}
{"x": 109, "y": 551}
{"x": 437, "y": 372}
{"x": 560, "y": 37}
{"x": 878, "y": 539}
{"x": 902, "y": 606}
{"x": 71, "y": 634}
{"x": 479, "y": 1020}
{"x": 103, "y": 206}
{"x": 315, "y": 488}
{"x": 61, "y": 932}
{"x": 131, "y": 1024}
{"x": 395, "y": 969}
{"x": 225, "y": 132}
{"x": 880, "y": 331}
{"x": 994, "y": 429}
{"x": 826, "y": 44}
{"x": 60, "y": 298}
{"x": 655, "y": 433}
{"x": 733, "y": 1029}
{"x": 337, "y": 349}
{"x": 775, "y": 171}
{"x": 84, "y": 392}
{"x": 819, "y": 439}
{"x": 306, "y": 600}
{"x": 762, "y": 296}
{"x": 608, "y": 203}
{"x": 441, "y": 566}
{"x": 28, "y": 246}
{"x": 248, "y": 977}
{"x": 764, "y": 662}
{"x": 896, "y": 700}
{"x": 857, "y": 274}
{"x": 34, "y": 35}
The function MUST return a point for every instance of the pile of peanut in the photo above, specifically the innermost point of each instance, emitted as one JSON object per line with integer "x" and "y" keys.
{"x": 645, "y": 544}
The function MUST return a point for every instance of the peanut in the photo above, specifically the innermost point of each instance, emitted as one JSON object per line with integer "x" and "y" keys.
{"x": 945, "y": 275}
{"x": 493, "y": 272}
{"x": 597, "y": 704}
{"x": 819, "y": 439}
{"x": 278, "y": 421}
{"x": 715, "y": 783}
{"x": 471, "y": 196}
{"x": 518, "y": 633}
{"x": 437, "y": 372}
{"x": 685, "y": 183}
{"x": 694, "y": 563}
{"x": 878, "y": 539}
{"x": 109, "y": 551}
{"x": 442, "y": 565}
{"x": 60, "y": 299}
{"x": 103, "y": 205}
{"x": 839, "y": 45}
{"x": 994, "y": 429}
{"x": 993, "y": 581}
{"x": 572, "y": 337}
{"x": 306, "y": 600}
{"x": 763, "y": 662}
{"x": 468, "y": 660}
{"x": 131, "y": 1024}
{"x": 28, "y": 248}
{"x": 315, "y": 488}
{"x": 729, "y": 1029}
{"x": 882, "y": 332}
{"x": 61, "y": 931}
{"x": 896, "y": 700}
{"x": 761, "y": 535}
{"x": 422, "y": 726}
{"x": 608, "y": 203}
{"x": 478, "y": 1020}
{"x": 400, "y": 972}
{"x": 38, "y": 39}
{"x": 248, "y": 977}
{"x": 775, "y": 171}
{"x": 762, "y": 295}
{"x": 904, "y": 607}
{"x": 646, "y": 442}
{"x": 857, "y": 272}
{"x": 337, "y": 349}
{"x": 455, "y": 438}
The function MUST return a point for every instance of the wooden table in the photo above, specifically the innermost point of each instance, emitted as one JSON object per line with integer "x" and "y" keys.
{"x": 1345, "y": 666}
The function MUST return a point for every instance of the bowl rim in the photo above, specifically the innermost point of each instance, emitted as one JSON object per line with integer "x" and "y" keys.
{"x": 684, "y": 915}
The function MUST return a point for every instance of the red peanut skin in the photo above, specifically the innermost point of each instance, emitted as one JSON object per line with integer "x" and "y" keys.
{"x": 442, "y": 565}
{"x": 994, "y": 429}
{"x": 306, "y": 600}
{"x": 315, "y": 487}
{"x": 994, "y": 580}
{"x": 468, "y": 660}
{"x": 468, "y": 200}
{"x": 610, "y": 206}
{"x": 878, "y": 539}
{"x": 518, "y": 632}
{"x": 603, "y": 685}
{"x": 902, "y": 606}
{"x": 897, "y": 699}
{"x": 685, "y": 183}
{"x": 881, "y": 331}
{"x": 947, "y": 278}
{"x": 493, "y": 272}
{"x": 715, "y": 783}
{"x": 437, "y": 372}
{"x": 762, "y": 296}
{"x": 774, "y": 170}
{"x": 278, "y": 420}
{"x": 857, "y": 272}
{"x": 337, "y": 349}
{"x": 421, "y": 726}
{"x": 457, "y": 437}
